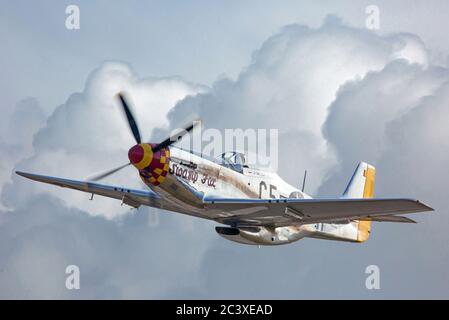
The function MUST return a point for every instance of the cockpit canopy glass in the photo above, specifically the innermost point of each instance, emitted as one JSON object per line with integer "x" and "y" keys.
{"x": 233, "y": 160}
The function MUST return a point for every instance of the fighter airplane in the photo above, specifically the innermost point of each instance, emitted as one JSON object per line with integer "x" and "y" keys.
{"x": 253, "y": 206}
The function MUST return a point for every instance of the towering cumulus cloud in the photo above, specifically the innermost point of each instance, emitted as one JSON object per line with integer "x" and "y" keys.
{"x": 290, "y": 84}
{"x": 89, "y": 133}
{"x": 337, "y": 95}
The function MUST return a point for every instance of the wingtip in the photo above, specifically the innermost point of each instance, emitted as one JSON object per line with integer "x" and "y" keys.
{"x": 429, "y": 208}
{"x": 27, "y": 175}
{"x": 20, "y": 173}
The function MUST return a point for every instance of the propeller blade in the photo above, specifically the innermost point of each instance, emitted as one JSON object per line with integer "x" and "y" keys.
{"x": 131, "y": 120}
{"x": 103, "y": 175}
{"x": 174, "y": 138}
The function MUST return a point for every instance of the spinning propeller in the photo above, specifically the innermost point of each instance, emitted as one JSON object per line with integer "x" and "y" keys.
{"x": 137, "y": 152}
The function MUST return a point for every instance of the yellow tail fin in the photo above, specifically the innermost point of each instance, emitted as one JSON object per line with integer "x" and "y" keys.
{"x": 362, "y": 186}
{"x": 364, "y": 227}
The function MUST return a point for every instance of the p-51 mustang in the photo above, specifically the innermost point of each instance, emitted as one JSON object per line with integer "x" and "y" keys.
{"x": 254, "y": 206}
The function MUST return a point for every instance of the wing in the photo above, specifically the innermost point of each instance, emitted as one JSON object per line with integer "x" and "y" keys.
{"x": 389, "y": 219}
{"x": 133, "y": 198}
{"x": 284, "y": 212}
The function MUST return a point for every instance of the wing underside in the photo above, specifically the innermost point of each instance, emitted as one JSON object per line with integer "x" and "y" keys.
{"x": 131, "y": 197}
{"x": 285, "y": 212}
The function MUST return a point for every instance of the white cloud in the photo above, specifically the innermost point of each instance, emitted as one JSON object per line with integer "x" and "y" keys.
{"x": 116, "y": 260}
{"x": 337, "y": 94}
{"x": 396, "y": 119}
{"x": 17, "y": 136}
{"x": 290, "y": 84}
{"x": 356, "y": 126}
{"x": 89, "y": 133}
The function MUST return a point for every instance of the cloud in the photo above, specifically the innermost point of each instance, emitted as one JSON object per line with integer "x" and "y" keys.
{"x": 47, "y": 229}
{"x": 17, "y": 136}
{"x": 126, "y": 259}
{"x": 356, "y": 127}
{"x": 88, "y": 133}
{"x": 337, "y": 94}
{"x": 395, "y": 119}
{"x": 292, "y": 80}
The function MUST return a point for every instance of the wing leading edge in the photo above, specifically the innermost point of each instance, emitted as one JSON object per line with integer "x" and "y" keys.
{"x": 284, "y": 212}
{"x": 133, "y": 198}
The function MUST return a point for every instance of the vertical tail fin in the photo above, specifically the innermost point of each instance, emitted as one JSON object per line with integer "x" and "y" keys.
{"x": 361, "y": 185}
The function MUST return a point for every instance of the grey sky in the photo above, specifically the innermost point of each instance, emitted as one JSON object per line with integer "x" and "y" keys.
{"x": 197, "y": 40}
{"x": 54, "y": 82}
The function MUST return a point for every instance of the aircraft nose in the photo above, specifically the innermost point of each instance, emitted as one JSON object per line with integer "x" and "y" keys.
{"x": 135, "y": 154}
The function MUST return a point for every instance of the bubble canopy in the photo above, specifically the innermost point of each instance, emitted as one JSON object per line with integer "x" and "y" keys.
{"x": 233, "y": 160}
{"x": 237, "y": 160}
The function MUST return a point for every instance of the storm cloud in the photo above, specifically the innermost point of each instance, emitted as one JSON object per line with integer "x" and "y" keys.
{"x": 337, "y": 94}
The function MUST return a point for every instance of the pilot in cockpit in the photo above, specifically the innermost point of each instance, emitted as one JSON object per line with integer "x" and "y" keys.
{"x": 233, "y": 160}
